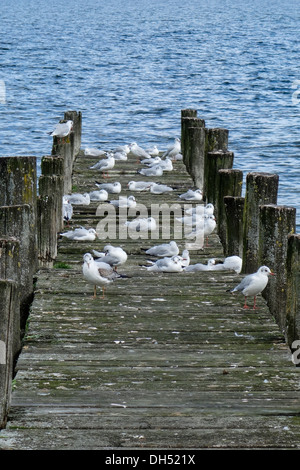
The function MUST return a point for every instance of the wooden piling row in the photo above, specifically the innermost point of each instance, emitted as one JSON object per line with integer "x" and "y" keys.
{"x": 30, "y": 217}
{"x": 251, "y": 226}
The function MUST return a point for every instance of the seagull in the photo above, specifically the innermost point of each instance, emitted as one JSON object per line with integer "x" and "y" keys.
{"x": 191, "y": 195}
{"x": 165, "y": 164}
{"x": 200, "y": 208}
{"x": 174, "y": 149}
{"x": 62, "y": 129}
{"x": 78, "y": 198}
{"x": 253, "y": 284}
{"x": 166, "y": 265}
{"x": 206, "y": 226}
{"x": 139, "y": 185}
{"x": 67, "y": 210}
{"x": 152, "y": 171}
{"x": 124, "y": 201}
{"x": 156, "y": 188}
{"x": 138, "y": 151}
{"x": 165, "y": 249}
{"x": 80, "y": 234}
{"x": 98, "y": 274}
{"x": 122, "y": 148}
{"x": 201, "y": 267}
{"x": 101, "y": 195}
{"x": 151, "y": 161}
{"x": 232, "y": 263}
{"x": 111, "y": 188}
{"x": 93, "y": 152}
{"x": 104, "y": 165}
{"x": 186, "y": 258}
{"x": 153, "y": 151}
{"x": 120, "y": 155}
{"x": 141, "y": 224}
{"x": 112, "y": 255}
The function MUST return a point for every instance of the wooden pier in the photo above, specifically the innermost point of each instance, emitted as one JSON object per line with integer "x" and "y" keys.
{"x": 164, "y": 361}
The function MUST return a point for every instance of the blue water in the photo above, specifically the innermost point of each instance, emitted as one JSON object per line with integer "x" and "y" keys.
{"x": 131, "y": 66}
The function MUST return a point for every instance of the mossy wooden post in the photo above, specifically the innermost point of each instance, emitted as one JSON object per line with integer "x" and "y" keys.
{"x": 196, "y": 153}
{"x": 51, "y": 183}
{"x": 229, "y": 183}
{"x": 185, "y": 115}
{"x": 216, "y": 139}
{"x": 76, "y": 117}
{"x": 276, "y": 223}
{"x": 293, "y": 290}
{"x": 215, "y": 161}
{"x": 65, "y": 148}
{"x": 234, "y": 210}
{"x": 261, "y": 188}
{"x": 9, "y": 302}
{"x": 18, "y": 185}
{"x": 194, "y": 147}
{"x": 15, "y": 221}
{"x": 47, "y": 230}
{"x": 10, "y": 264}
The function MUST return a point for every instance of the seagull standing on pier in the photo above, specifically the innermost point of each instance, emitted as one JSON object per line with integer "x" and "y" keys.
{"x": 254, "y": 284}
{"x": 98, "y": 274}
{"x": 62, "y": 129}
{"x": 104, "y": 165}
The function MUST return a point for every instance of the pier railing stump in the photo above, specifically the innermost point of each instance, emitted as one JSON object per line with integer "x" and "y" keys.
{"x": 228, "y": 183}
{"x": 276, "y": 223}
{"x": 193, "y": 148}
{"x": 16, "y": 221}
{"x": 261, "y": 188}
{"x": 76, "y": 117}
{"x": 9, "y": 303}
{"x": 293, "y": 290}
{"x": 10, "y": 263}
{"x": 234, "y": 210}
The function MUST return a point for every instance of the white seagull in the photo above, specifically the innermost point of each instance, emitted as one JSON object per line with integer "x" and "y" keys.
{"x": 124, "y": 201}
{"x": 157, "y": 188}
{"x": 174, "y": 149}
{"x": 165, "y": 249}
{"x": 155, "y": 170}
{"x": 94, "y": 152}
{"x": 166, "y": 265}
{"x": 192, "y": 195}
{"x": 138, "y": 151}
{"x": 62, "y": 129}
{"x": 139, "y": 185}
{"x": 67, "y": 210}
{"x": 98, "y": 274}
{"x": 104, "y": 165}
{"x": 100, "y": 195}
{"x": 78, "y": 198}
{"x": 231, "y": 263}
{"x": 253, "y": 284}
{"x": 201, "y": 267}
{"x": 80, "y": 234}
{"x": 112, "y": 255}
{"x": 111, "y": 188}
{"x": 141, "y": 224}
{"x": 153, "y": 151}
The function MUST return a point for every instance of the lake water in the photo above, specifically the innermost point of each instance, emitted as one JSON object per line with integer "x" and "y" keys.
{"x": 131, "y": 66}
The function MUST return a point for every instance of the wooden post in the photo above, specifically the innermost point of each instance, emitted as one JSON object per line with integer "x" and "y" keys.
{"x": 293, "y": 289}
{"x": 9, "y": 303}
{"x": 193, "y": 145}
{"x": 76, "y": 117}
{"x": 229, "y": 183}
{"x": 18, "y": 185}
{"x": 276, "y": 223}
{"x": 185, "y": 115}
{"x": 261, "y": 188}
{"x": 215, "y": 161}
{"x": 234, "y": 209}
{"x": 15, "y": 221}
{"x": 64, "y": 149}
{"x": 47, "y": 230}
{"x": 215, "y": 139}
{"x": 196, "y": 154}
{"x": 10, "y": 264}
{"x": 51, "y": 183}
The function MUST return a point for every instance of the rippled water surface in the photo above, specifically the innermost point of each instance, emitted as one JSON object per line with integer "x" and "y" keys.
{"x": 131, "y": 66}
